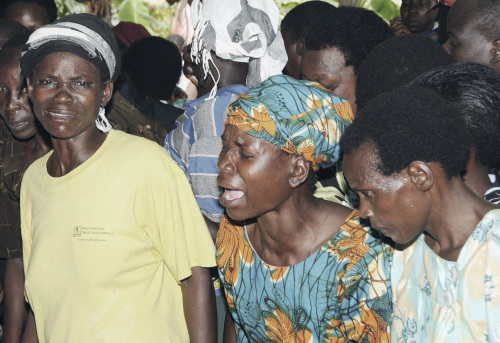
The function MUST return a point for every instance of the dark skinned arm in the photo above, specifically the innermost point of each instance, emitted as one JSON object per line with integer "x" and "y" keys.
{"x": 199, "y": 306}
{"x": 30, "y": 330}
{"x": 213, "y": 228}
{"x": 229, "y": 330}
{"x": 15, "y": 308}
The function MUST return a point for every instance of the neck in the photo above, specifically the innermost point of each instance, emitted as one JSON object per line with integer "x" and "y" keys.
{"x": 299, "y": 227}
{"x": 36, "y": 147}
{"x": 72, "y": 152}
{"x": 229, "y": 72}
{"x": 455, "y": 215}
{"x": 236, "y": 77}
{"x": 476, "y": 176}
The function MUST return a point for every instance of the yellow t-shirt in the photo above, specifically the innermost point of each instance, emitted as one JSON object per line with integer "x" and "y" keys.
{"x": 106, "y": 245}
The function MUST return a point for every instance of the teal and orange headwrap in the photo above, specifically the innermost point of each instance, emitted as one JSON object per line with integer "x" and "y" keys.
{"x": 299, "y": 116}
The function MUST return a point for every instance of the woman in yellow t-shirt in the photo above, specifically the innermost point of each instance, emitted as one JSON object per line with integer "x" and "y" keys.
{"x": 115, "y": 248}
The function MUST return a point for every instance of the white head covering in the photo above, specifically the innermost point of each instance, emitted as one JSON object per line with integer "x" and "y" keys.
{"x": 241, "y": 31}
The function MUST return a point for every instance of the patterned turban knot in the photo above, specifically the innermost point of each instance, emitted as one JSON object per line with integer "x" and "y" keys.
{"x": 299, "y": 116}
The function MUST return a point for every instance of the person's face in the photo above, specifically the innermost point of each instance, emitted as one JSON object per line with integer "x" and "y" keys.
{"x": 30, "y": 15}
{"x": 466, "y": 43}
{"x": 293, "y": 51}
{"x": 328, "y": 68}
{"x": 15, "y": 106}
{"x": 253, "y": 175}
{"x": 67, "y": 92}
{"x": 415, "y": 15}
{"x": 393, "y": 204}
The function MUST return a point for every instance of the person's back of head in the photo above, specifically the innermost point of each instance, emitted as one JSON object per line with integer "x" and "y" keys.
{"x": 294, "y": 30}
{"x": 396, "y": 62}
{"x": 337, "y": 43}
{"x": 154, "y": 66}
{"x": 31, "y": 13}
{"x": 9, "y": 28}
{"x": 226, "y": 30}
{"x": 475, "y": 89}
{"x": 474, "y": 32}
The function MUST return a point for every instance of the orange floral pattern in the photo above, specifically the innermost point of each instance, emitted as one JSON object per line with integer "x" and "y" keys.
{"x": 339, "y": 293}
{"x": 233, "y": 250}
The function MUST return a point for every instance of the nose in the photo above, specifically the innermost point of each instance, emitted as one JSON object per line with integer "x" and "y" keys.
{"x": 63, "y": 96}
{"x": 225, "y": 163}
{"x": 13, "y": 104}
{"x": 364, "y": 210}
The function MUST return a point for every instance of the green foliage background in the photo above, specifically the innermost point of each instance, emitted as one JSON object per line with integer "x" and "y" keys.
{"x": 157, "y": 15}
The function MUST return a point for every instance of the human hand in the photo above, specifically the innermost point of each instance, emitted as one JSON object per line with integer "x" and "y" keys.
{"x": 398, "y": 27}
{"x": 147, "y": 132}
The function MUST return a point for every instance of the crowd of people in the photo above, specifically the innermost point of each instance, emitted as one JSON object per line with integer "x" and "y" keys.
{"x": 327, "y": 177}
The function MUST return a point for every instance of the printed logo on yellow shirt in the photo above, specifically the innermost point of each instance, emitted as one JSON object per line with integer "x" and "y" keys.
{"x": 94, "y": 234}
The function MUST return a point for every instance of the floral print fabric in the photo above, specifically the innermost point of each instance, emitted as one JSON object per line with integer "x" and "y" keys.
{"x": 339, "y": 293}
{"x": 442, "y": 301}
{"x": 299, "y": 116}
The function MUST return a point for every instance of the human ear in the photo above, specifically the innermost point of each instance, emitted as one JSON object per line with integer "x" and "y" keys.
{"x": 421, "y": 175}
{"x": 495, "y": 51}
{"x": 107, "y": 92}
{"x": 300, "y": 171}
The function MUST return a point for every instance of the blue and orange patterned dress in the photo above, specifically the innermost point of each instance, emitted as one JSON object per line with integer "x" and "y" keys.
{"x": 339, "y": 293}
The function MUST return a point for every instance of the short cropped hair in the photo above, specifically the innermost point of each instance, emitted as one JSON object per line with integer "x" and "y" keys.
{"x": 396, "y": 62}
{"x": 49, "y": 6}
{"x": 410, "y": 124}
{"x": 297, "y": 20}
{"x": 154, "y": 65}
{"x": 475, "y": 89}
{"x": 9, "y": 28}
{"x": 353, "y": 31}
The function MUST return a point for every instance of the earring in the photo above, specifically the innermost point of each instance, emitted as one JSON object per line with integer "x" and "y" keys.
{"x": 102, "y": 122}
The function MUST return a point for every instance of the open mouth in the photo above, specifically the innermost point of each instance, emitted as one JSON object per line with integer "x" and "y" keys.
{"x": 230, "y": 196}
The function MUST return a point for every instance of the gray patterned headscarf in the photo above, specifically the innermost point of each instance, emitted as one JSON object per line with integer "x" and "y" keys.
{"x": 241, "y": 31}
{"x": 84, "y": 35}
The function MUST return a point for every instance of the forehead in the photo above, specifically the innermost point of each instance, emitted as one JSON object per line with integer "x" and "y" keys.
{"x": 361, "y": 165}
{"x": 361, "y": 169}
{"x": 329, "y": 59}
{"x": 233, "y": 135}
{"x": 68, "y": 62}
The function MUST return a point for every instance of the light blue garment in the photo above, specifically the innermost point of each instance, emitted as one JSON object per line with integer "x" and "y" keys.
{"x": 338, "y": 293}
{"x": 441, "y": 301}
{"x": 195, "y": 145}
